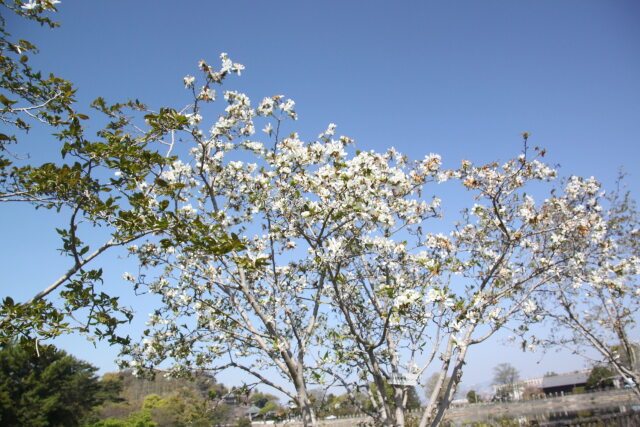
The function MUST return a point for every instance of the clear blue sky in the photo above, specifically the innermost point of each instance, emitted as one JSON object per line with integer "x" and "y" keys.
{"x": 458, "y": 78}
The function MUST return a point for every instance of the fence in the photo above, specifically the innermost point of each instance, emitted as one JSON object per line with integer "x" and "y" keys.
{"x": 627, "y": 419}
{"x": 561, "y": 402}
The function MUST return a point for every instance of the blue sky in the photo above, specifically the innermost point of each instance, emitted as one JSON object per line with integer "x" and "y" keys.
{"x": 458, "y": 78}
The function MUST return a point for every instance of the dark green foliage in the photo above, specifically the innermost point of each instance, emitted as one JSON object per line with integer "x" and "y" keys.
{"x": 262, "y": 399}
{"x": 44, "y": 386}
{"x": 472, "y": 397}
{"x": 600, "y": 376}
{"x": 413, "y": 400}
{"x": 93, "y": 180}
{"x": 48, "y": 97}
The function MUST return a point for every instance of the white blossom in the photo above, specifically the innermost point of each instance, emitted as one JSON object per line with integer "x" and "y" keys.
{"x": 189, "y": 81}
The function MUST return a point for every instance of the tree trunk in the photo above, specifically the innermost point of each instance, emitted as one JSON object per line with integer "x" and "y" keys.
{"x": 307, "y": 411}
{"x": 434, "y": 419}
{"x": 398, "y": 396}
{"x": 451, "y": 388}
{"x": 433, "y": 401}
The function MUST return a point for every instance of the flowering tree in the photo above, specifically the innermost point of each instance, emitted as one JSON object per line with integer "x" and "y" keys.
{"x": 251, "y": 302}
{"x": 264, "y": 301}
{"x": 328, "y": 255}
{"x": 595, "y": 308}
{"x": 407, "y": 298}
{"x": 291, "y": 257}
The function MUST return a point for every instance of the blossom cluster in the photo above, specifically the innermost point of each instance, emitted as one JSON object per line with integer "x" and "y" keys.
{"x": 277, "y": 242}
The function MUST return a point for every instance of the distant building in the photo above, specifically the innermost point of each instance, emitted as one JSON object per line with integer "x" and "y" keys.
{"x": 459, "y": 402}
{"x": 565, "y": 383}
{"x": 252, "y": 412}
{"x": 561, "y": 383}
{"x": 516, "y": 391}
{"x": 230, "y": 399}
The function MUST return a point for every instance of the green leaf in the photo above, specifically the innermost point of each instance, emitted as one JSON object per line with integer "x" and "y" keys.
{"x": 6, "y": 101}
{"x": 161, "y": 182}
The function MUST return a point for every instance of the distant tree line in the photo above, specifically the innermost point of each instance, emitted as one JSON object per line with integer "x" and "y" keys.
{"x": 45, "y": 386}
